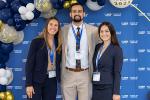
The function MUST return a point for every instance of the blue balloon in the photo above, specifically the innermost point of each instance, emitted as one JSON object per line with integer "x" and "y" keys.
{"x": 5, "y": 14}
{"x": 19, "y": 23}
{"x": 6, "y": 48}
{"x": 82, "y": 2}
{"x": 15, "y": 5}
{"x": 2, "y": 88}
{"x": 3, "y": 58}
{"x": 57, "y": 4}
{"x": 25, "y": 2}
{"x": 9, "y": 1}
{"x": 2, "y": 5}
{"x": 2, "y": 65}
{"x": 36, "y": 13}
{"x": 10, "y": 22}
{"x": 101, "y": 2}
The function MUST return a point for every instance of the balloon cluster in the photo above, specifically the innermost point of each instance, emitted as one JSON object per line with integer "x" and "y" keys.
{"x": 6, "y": 95}
{"x": 6, "y": 76}
{"x": 27, "y": 12}
{"x": 13, "y": 16}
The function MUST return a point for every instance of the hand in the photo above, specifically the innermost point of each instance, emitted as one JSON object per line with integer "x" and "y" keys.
{"x": 116, "y": 97}
{"x": 30, "y": 91}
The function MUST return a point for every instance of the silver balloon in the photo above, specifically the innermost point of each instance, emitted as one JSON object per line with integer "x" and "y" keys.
{"x": 49, "y": 14}
{"x": 20, "y": 37}
{"x": 9, "y": 75}
{"x": 8, "y": 34}
{"x": 93, "y": 5}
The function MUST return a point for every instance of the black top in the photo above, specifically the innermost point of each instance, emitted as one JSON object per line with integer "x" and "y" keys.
{"x": 109, "y": 65}
{"x": 37, "y": 62}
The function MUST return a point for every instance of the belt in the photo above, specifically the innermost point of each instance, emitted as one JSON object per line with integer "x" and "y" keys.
{"x": 76, "y": 69}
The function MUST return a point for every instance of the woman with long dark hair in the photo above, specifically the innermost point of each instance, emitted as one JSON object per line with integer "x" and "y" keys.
{"x": 107, "y": 62}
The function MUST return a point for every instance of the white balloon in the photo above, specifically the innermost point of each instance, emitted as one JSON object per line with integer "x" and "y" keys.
{"x": 4, "y": 1}
{"x": 8, "y": 73}
{"x": 30, "y": 6}
{"x": 20, "y": 37}
{"x": 93, "y": 5}
{"x": 23, "y": 17}
{"x": 22, "y": 10}
{"x": 29, "y": 15}
{"x": 2, "y": 72}
{"x": 3, "y": 80}
{"x": 121, "y": 3}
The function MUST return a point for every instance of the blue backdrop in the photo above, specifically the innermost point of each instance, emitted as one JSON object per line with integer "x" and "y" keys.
{"x": 133, "y": 31}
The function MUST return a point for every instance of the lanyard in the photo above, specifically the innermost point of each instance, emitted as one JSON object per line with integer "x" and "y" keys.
{"x": 51, "y": 54}
{"x": 99, "y": 54}
{"x": 76, "y": 37}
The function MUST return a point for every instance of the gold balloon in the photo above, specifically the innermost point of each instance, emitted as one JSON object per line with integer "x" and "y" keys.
{"x": 1, "y": 25}
{"x": 2, "y": 95}
{"x": 8, "y": 93}
{"x": 73, "y": 1}
{"x": 66, "y": 4}
{"x": 10, "y": 97}
{"x": 43, "y": 5}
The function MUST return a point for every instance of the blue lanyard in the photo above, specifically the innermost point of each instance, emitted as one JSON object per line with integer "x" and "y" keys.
{"x": 77, "y": 38}
{"x": 51, "y": 54}
{"x": 99, "y": 54}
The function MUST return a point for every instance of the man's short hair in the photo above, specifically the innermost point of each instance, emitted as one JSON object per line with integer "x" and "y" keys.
{"x": 75, "y": 4}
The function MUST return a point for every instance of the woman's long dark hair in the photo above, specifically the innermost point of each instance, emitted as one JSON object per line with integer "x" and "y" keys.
{"x": 111, "y": 28}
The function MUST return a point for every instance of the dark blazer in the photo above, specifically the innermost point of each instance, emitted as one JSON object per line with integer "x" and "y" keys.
{"x": 109, "y": 65}
{"x": 37, "y": 62}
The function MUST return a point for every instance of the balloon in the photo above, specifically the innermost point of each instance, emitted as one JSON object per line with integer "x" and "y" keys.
{"x": 8, "y": 34}
{"x": 73, "y": 1}
{"x": 20, "y": 37}
{"x": 49, "y": 14}
{"x": 15, "y": 5}
{"x": 5, "y": 14}
{"x": 6, "y": 47}
{"x": 9, "y": 76}
{"x": 66, "y": 4}
{"x": 29, "y": 15}
{"x": 93, "y": 5}
{"x": 2, "y": 96}
{"x": 2, "y": 4}
{"x": 22, "y": 10}
{"x": 42, "y": 5}
{"x": 121, "y": 3}
{"x": 1, "y": 25}
{"x": 3, "y": 80}
{"x": 2, "y": 72}
{"x": 36, "y": 13}
{"x": 10, "y": 97}
{"x": 82, "y": 2}
{"x": 101, "y": 2}
{"x": 25, "y": 2}
{"x": 20, "y": 24}
{"x": 23, "y": 17}
{"x": 57, "y": 4}
{"x": 10, "y": 22}
{"x": 30, "y": 6}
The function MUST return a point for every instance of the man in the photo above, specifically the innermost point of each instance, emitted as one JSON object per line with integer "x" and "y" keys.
{"x": 79, "y": 40}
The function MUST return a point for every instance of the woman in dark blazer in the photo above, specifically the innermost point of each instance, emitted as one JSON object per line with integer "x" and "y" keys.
{"x": 43, "y": 63}
{"x": 107, "y": 62}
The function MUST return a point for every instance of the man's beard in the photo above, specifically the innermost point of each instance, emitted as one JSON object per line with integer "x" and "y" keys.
{"x": 79, "y": 19}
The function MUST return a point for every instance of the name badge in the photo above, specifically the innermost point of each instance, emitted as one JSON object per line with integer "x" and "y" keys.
{"x": 77, "y": 55}
{"x": 51, "y": 74}
{"x": 96, "y": 76}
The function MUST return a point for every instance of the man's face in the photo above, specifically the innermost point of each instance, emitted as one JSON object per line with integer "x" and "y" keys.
{"x": 77, "y": 13}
